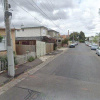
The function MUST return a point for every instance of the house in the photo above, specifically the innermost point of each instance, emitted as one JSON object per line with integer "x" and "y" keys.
{"x": 3, "y": 49}
{"x": 91, "y": 39}
{"x": 55, "y": 35}
{"x": 27, "y": 35}
{"x": 32, "y": 32}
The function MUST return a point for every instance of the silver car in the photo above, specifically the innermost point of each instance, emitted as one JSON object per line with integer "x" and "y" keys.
{"x": 94, "y": 47}
{"x": 98, "y": 51}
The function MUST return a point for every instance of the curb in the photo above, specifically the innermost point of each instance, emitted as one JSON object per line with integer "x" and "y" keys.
{"x": 13, "y": 81}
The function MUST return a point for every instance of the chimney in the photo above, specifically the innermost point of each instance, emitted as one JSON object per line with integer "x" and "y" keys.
{"x": 68, "y": 33}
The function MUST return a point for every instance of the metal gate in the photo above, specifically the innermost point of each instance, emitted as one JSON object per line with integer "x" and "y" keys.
{"x": 3, "y": 65}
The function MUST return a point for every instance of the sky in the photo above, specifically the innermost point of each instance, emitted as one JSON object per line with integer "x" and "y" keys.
{"x": 60, "y": 15}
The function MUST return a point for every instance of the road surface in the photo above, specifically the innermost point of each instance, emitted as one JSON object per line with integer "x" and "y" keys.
{"x": 74, "y": 75}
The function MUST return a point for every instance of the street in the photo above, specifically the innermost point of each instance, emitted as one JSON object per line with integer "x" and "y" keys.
{"x": 74, "y": 75}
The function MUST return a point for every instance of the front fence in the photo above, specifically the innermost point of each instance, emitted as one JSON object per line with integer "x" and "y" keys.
{"x": 3, "y": 65}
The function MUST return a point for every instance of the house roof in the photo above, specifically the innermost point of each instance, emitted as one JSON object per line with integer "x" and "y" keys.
{"x": 52, "y": 31}
{"x": 29, "y": 38}
{"x": 35, "y": 27}
{"x": 1, "y": 28}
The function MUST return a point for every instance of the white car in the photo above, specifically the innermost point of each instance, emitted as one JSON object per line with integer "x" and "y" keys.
{"x": 94, "y": 47}
{"x": 98, "y": 51}
{"x": 90, "y": 44}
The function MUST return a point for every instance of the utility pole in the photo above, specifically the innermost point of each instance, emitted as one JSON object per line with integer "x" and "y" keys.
{"x": 68, "y": 35}
{"x": 10, "y": 56}
{"x": 57, "y": 40}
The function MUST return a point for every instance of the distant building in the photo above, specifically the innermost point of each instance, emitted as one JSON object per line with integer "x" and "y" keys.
{"x": 65, "y": 36}
{"x": 91, "y": 39}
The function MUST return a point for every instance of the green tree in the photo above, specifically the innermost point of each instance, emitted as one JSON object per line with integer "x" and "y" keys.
{"x": 74, "y": 35}
{"x": 82, "y": 37}
{"x": 95, "y": 40}
{"x": 65, "y": 41}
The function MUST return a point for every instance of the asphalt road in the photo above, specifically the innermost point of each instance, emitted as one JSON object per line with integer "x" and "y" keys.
{"x": 75, "y": 75}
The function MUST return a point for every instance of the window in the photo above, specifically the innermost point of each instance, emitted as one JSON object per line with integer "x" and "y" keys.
{"x": 3, "y": 44}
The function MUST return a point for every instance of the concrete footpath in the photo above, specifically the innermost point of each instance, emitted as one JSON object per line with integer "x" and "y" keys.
{"x": 21, "y": 69}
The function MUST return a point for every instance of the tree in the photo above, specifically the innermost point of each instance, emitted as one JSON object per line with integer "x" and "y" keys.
{"x": 65, "y": 41}
{"x": 95, "y": 40}
{"x": 74, "y": 35}
{"x": 82, "y": 37}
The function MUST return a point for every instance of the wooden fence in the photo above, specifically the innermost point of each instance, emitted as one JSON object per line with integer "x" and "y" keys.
{"x": 24, "y": 49}
{"x": 49, "y": 47}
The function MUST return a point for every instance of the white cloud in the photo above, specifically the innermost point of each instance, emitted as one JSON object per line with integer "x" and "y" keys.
{"x": 75, "y": 15}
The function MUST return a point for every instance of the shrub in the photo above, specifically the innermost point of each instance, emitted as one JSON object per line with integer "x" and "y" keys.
{"x": 5, "y": 62}
{"x": 4, "y": 59}
{"x": 81, "y": 41}
{"x": 65, "y": 41}
{"x": 55, "y": 46}
{"x": 1, "y": 38}
{"x": 15, "y": 61}
{"x": 30, "y": 59}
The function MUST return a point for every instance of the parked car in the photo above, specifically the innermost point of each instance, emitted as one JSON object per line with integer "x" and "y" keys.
{"x": 72, "y": 46}
{"x": 98, "y": 51}
{"x": 89, "y": 44}
{"x": 86, "y": 43}
{"x": 94, "y": 47}
{"x": 76, "y": 43}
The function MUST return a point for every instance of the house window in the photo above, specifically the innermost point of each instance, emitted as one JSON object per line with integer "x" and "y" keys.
{"x": 3, "y": 44}
{"x": 59, "y": 40}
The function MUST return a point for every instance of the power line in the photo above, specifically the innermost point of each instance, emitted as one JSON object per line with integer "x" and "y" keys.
{"x": 43, "y": 13}
{"x": 26, "y": 11}
{"x": 50, "y": 9}
{"x": 46, "y": 15}
{"x": 32, "y": 15}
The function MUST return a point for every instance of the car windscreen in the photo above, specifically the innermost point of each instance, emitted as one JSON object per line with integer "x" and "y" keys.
{"x": 95, "y": 46}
